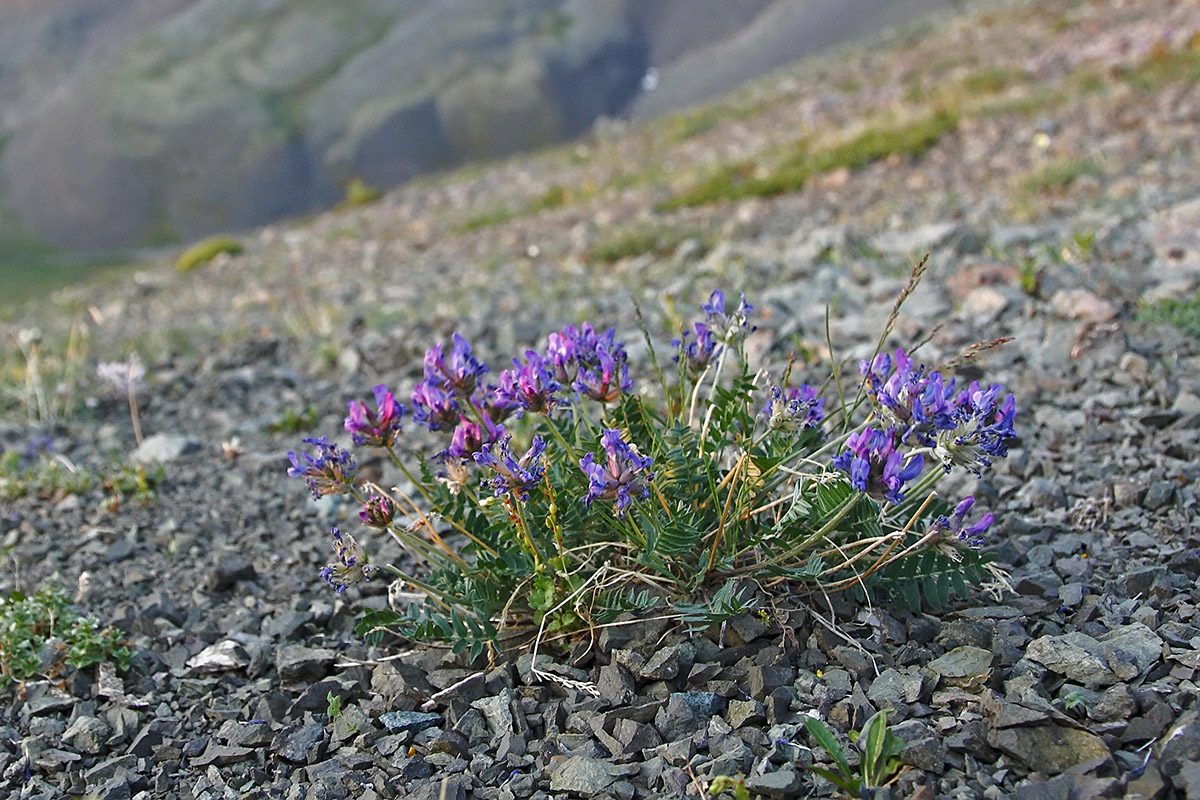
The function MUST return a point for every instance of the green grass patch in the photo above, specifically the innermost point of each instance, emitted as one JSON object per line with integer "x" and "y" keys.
{"x": 658, "y": 240}
{"x": 1164, "y": 66}
{"x": 487, "y": 219}
{"x": 1182, "y": 312}
{"x": 1057, "y": 176}
{"x": 992, "y": 80}
{"x": 734, "y": 182}
{"x": 43, "y": 634}
{"x": 206, "y": 250}
{"x": 359, "y": 193}
{"x": 294, "y": 421}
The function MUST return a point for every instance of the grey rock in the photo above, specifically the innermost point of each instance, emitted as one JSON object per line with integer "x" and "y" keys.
{"x": 586, "y": 776}
{"x": 924, "y": 749}
{"x": 615, "y": 685}
{"x": 223, "y": 656}
{"x": 1050, "y": 749}
{"x": 87, "y": 734}
{"x": 784, "y": 783}
{"x": 1131, "y": 650}
{"x": 222, "y": 755}
{"x": 409, "y": 721}
{"x": 746, "y": 712}
{"x": 965, "y": 666}
{"x": 255, "y": 733}
{"x": 662, "y": 665}
{"x": 299, "y": 664}
{"x": 301, "y": 744}
{"x": 229, "y": 571}
{"x": 497, "y": 710}
{"x": 163, "y": 448}
{"x": 894, "y": 688}
{"x": 1078, "y": 656}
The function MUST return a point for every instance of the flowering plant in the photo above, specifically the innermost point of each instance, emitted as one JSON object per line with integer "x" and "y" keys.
{"x": 562, "y": 497}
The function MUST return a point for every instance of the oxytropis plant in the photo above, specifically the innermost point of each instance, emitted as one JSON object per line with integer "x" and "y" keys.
{"x": 562, "y": 496}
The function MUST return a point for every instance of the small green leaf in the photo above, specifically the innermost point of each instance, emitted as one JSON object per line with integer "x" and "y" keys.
{"x": 826, "y": 740}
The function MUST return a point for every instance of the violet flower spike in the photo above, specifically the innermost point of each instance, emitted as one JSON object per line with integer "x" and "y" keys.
{"x": 727, "y": 327}
{"x": 378, "y": 511}
{"x": 433, "y": 407}
{"x": 376, "y": 428}
{"x": 353, "y": 565}
{"x": 529, "y": 386}
{"x": 462, "y": 372}
{"x": 795, "y": 408}
{"x": 469, "y": 438}
{"x": 329, "y": 471}
{"x": 607, "y": 381}
{"x": 955, "y": 531}
{"x": 699, "y": 353}
{"x": 623, "y": 473}
{"x": 874, "y": 465}
{"x": 513, "y": 475}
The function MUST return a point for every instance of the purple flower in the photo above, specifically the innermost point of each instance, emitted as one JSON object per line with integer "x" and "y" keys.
{"x": 794, "y": 408}
{"x": 696, "y": 354}
{"x": 352, "y": 565}
{"x": 916, "y": 401}
{"x": 606, "y": 381}
{"x": 378, "y": 511}
{"x": 530, "y": 386}
{"x": 981, "y": 431}
{"x": 433, "y": 406}
{"x": 512, "y": 475}
{"x": 469, "y": 438}
{"x": 329, "y": 471}
{"x": 376, "y": 428}
{"x": 621, "y": 475}
{"x": 573, "y": 349}
{"x": 462, "y": 372}
{"x": 727, "y": 327}
{"x": 954, "y": 528}
{"x": 874, "y": 465}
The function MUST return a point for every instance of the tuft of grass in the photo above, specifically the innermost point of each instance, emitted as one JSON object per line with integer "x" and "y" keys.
{"x": 206, "y": 250}
{"x": 294, "y": 421}
{"x": 1182, "y": 312}
{"x": 992, "y": 80}
{"x": 43, "y": 634}
{"x": 1164, "y": 66}
{"x": 659, "y": 240}
{"x": 359, "y": 193}
{"x": 735, "y": 182}
{"x": 487, "y": 219}
{"x": 1058, "y": 175}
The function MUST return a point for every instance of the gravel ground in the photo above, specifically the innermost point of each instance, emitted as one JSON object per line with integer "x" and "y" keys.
{"x": 1077, "y": 679}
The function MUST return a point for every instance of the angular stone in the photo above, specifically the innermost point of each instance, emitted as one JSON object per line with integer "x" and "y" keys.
{"x": 223, "y": 656}
{"x": 586, "y": 776}
{"x": 663, "y": 665}
{"x": 221, "y": 755}
{"x": 245, "y": 734}
{"x": 784, "y": 783}
{"x": 746, "y": 712}
{"x": 1050, "y": 749}
{"x": 299, "y": 664}
{"x": 301, "y": 744}
{"x": 965, "y": 666}
{"x": 1131, "y": 650}
{"x": 87, "y": 734}
{"x": 894, "y": 688}
{"x": 922, "y": 747}
{"x": 411, "y": 721}
{"x": 615, "y": 685}
{"x": 1078, "y": 656}
{"x": 163, "y": 447}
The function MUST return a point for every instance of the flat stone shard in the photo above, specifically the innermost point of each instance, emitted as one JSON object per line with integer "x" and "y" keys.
{"x": 1050, "y": 749}
{"x": 586, "y": 776}
{"x": 965, "y": 666}
{"x": 223, "y": 656}
{"x": 1078, "y": 656}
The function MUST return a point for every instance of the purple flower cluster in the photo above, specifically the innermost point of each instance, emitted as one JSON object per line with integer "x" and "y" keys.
{"x": 875, "y": 466}
{"x": 352, "y": 565}
{"x": 595, "y": 365}
{"x": 727, "y": 327}
{"x": 696, "y": 353}
{"x": 329, "y": 471}
{"x": 794, "y": 408}
{"x": 378, "y": 511}
{"x": 968, "y": 427}
{"x": 513, "y": 475}
{"x": 622, "y": 475}
{"x": 376, "y": 428}
{"x": 955, "y": 529}
{"x": 529, "y": 386}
